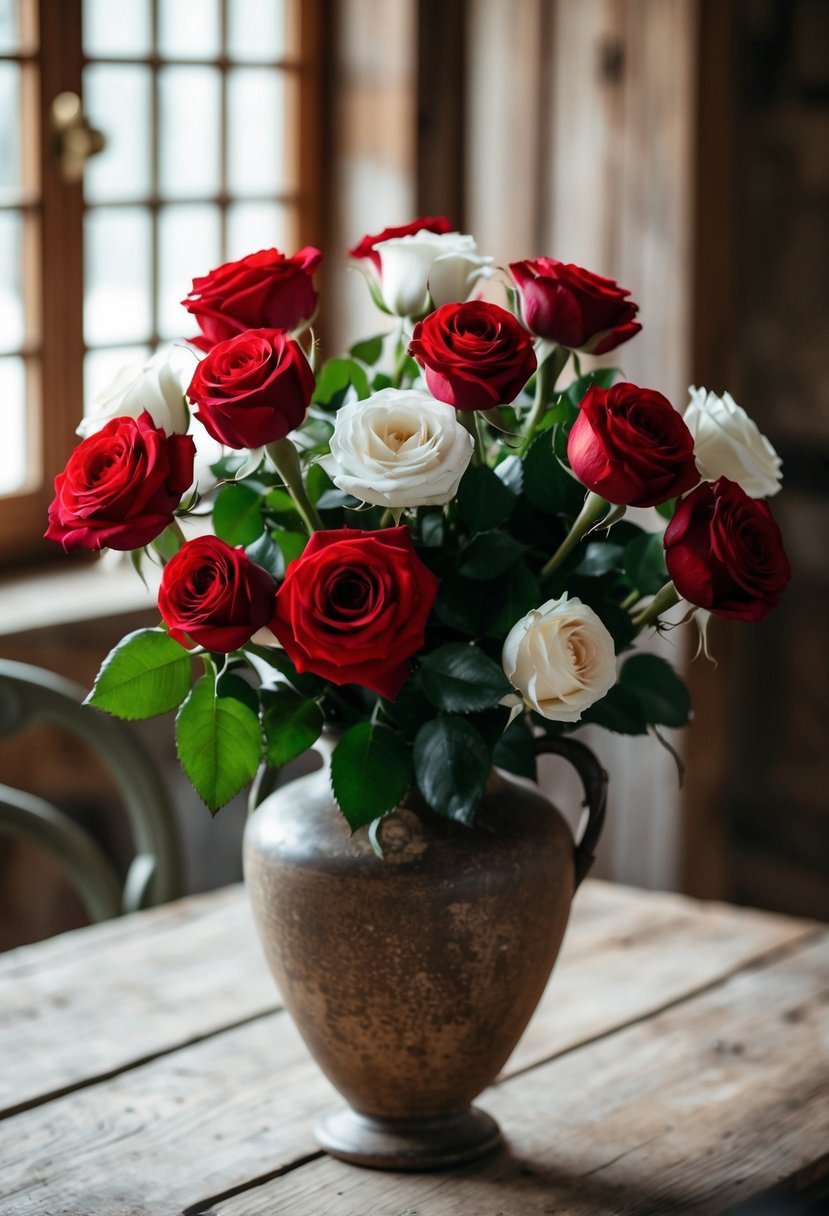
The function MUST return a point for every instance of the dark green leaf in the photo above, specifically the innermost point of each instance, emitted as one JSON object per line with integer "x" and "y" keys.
{"x": 645, "y": 563}
{"x": 368, "y": 351}
{"x": 660, "y": 690}
{"x": 231, "y": 685}
{"x": 461, "y": 606}
{"x": 237, "y": 514}
{"x": 548, "y": 485}
{"x": 620, "y": 710}
{"x": 292, "y": 724}
{"x": 459, "y": 679}
{"x": 336, "y": 377}
{"x": 336, "y": 500}
{"x": 483, "y": 500}
{"x": 381, "y": 380}
{"x": 219, "y": 743}
{"x": 267, "y": 554}
{"x": 306, "y": 685}
{"x": 510, "y": 598}
{"x": 147, "y": 673}
{"x": 431, "y": 529}
{"x": 603, "y": 376}
{"x": 370, "y": 772}
{"x": 490, "y": 554}
{"x": 666, "y": 509}
{"x": 515, "y": 751}
{"x": 600, "y": 557}
{"x": 452, "y": 764}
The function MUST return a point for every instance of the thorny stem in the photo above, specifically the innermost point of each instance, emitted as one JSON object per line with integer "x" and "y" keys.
{"x": 286, "y": 459}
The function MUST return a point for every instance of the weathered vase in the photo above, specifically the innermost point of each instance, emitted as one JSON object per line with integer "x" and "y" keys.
{"x": 412, "y": 977}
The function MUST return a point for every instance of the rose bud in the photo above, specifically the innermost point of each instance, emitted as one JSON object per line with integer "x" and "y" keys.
{"x": 630, "y": 446}
{"x": 252, "y": 389}
{"x": 398, "y": 448}
{"x": 728, "y": 444}
{"x": 574, "y": 307}
{"x": 560, "y": 658}
{"x": 724, "y": 552}
{"x": 214, "y": 595}
{"x": 367, "y": 247}
{"x": 120, "y": 486}
{"x": 263, "y": 289}
{"x": 475, "y": 355}
{"x": 353, "y": 607}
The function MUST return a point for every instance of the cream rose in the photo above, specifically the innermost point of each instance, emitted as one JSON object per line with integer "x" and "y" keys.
{"x": 423, "y": 271}
{"x": 157, "y": 386}
{"x": 399, "y": 448}
{"x": 560, "y": 658}
{"x": 728, "y": 444}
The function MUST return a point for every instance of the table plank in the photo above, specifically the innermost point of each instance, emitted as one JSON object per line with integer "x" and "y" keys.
{"x": 242, "y": 1103}
{"x": 704, "y": 1105}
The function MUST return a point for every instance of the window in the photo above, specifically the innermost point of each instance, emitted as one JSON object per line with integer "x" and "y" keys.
{"x": 207, "y": 111}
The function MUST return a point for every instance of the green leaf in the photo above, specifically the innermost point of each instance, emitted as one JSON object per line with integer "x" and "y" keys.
{"x": 306, "y": 684}
{"x": 168, "y": 543}
{"x": 147, "y": 673}
{"x": 231, "y": 685}
{"x": 219, "y": 743}
{"x": 620, "y": 710}
{"x": 548, "y": 486}
{"x": 515, "y": 750}
{"x": 461, "y": 605}
{"x": 661, "y": 692}
{"x": 334, "y": 380}
{"x": 370, "y": 772}
{"x": 511, "y": 473}
{"x": 666, "y": 509}
{"x": 603, "y": 376}
{"x": 280, "y": 502}
{"x": 483, "y": 500}
{"x": 600, "y": 557}
{"x": 459, "y": 679}
{"x": 267, "y": 554}
{"x": 292, "y": 544}
{"x": 645, "y": 563}
{"x": 237, "y": 514}
{"x": 490, "y": 554}
{"x": 451, "y": 763}
{"x": 368, "y": 351}
{"x": 292, "y": 724}
{"x": 510, "y": 598}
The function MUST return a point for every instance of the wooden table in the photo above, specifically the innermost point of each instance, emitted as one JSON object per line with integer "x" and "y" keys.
{"x": 678, "y": 1062}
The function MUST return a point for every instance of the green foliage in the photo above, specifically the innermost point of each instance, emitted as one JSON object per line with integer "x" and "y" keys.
{"x": 369, "y": 350}
{"x": 148, "y": 673}
{"x": 515, "y": 750}
{"x": 661, "y": 693}
{"x": 219, "y": 743}
{"x": 371, "y": 771}
{"x": 547, "y": 484}
{"x": 459, "y": 678}
{"x": 451, "y": 765}
{"x": 335, "y": 379}
{"x": 645, "y": 563}
{"x": 292, "y": 723}
{"x": 484, "y": 500}
{"x": 237, "y": 514}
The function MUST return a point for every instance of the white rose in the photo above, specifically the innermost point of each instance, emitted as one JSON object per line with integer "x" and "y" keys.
{"x": 399, "y": 448}
{"x": 424, "y": 271}
{"x": 560, "y": 658}
{"x": 157, "y": 386}
{"x": 728, "y": 444}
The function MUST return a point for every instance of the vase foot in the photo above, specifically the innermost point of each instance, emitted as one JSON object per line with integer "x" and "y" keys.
{"x": 408, "y": 1144}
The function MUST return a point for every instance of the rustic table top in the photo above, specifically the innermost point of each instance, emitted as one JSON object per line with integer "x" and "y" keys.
{"x": 679, "y": 1062}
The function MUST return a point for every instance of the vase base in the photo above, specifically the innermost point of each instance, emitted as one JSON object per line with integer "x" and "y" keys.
{"x": 408, "y": 1144}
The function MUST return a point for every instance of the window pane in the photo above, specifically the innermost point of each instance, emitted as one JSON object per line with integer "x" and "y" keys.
{"x": 9, "y": 36}
{"x": 118, "y": 257}
{"x": 10, "y": 124}
{"x": 254, "y": 226}
{"x": 256, "y": 145}
{"x": 117, "y": 27}
{"x": 189, "y": 128}
{"x": 100, "y": 367}
{"x": 256, "y": 29}
{"x": 12, "y": 325}
{"x": 13, "y": 463}
{"x": 118, "y": 102}
{"x": 189, "y": 29}
{"x": 189, "y": 244}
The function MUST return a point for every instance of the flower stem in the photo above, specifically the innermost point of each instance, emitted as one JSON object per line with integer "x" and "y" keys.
{"x": 664, "y": 599}
{"x": 286, "y": 459}
{"x": 631, "y": 599}
{"x": 466, "y": 419}
{"x": 483, "y": 438}
{"x": 546, "y": 376}
{"x": 593, "y": 509}
{"x": 401, "y": 358}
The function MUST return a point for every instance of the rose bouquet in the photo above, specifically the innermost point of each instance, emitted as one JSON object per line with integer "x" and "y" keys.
{"x": 421, "y": 543}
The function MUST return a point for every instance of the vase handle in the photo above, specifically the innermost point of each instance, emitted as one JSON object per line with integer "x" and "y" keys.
{"x": 594, "y": 780}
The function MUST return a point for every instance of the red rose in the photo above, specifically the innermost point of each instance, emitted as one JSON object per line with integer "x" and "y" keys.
{"x": 630, "y": 445}
{"x": 353, "y": 607}
{"x": 425, "y": 223}
{"x": 215, "y": 595}
{"x": 265, "y": 288}
{"x": 252, "y": 389}
{"x": 574, "y": 307}
{"x": 476, "y": 355}
{"x": 120, "y": 486}
{"x": 725, "y": 553}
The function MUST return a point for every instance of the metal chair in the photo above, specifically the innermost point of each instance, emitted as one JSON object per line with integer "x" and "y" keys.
{"x": 29, "y": 695}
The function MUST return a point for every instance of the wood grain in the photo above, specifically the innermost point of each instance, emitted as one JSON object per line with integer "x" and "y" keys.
{"x": 240, "y": 1105}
